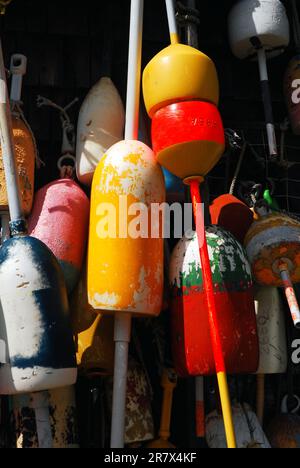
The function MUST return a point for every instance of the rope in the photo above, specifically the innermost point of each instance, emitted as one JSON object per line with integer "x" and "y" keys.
{"x": 238, "y": 168}
{"x": 68, "y": 142}
{"x": 18, "y": 113}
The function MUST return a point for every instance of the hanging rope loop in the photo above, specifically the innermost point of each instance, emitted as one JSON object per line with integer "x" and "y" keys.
{"x": 66, "y": 163}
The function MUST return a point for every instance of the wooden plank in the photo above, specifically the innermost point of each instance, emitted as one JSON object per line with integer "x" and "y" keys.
{"x": 51, "y": 62}
{"x": 15, "y": 17}
{"x": 76, "y": 63}
{"x": 36, "y": 16}
{"x": 29, "y": 45}
{"x": 56, "y": 17}
{"x": 76, "y": 19}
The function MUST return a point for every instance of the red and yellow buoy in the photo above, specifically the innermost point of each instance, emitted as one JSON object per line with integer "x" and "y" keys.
{"x": 192, "y": 350}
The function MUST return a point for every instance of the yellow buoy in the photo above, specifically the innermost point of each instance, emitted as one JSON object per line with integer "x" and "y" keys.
{"x": 125, "y": 263}
{"x": 93, "y": 334}
{"x": 179, "y": 73}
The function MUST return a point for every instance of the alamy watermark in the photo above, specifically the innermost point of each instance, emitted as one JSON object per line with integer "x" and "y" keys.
{"x": 142, "y": 221}
{"x": 296, "y": 93}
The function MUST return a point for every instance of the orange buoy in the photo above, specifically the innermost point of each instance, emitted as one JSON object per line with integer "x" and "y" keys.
{"x": 232, "y": 214}
{"x": 25, "y": 146}
{"x": 273, "y": 248}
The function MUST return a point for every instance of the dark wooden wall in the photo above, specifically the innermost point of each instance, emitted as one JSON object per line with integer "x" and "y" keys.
{"x": 64, "y": 43}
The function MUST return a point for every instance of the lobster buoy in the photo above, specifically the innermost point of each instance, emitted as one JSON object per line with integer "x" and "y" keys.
{"x": 271, "y": 238}
{"x": 63, "y": 420}
{"x": 34, "y": 320}
{"x": 60, "y": 218}
{"x": 100, "y": 125}
{"x": 273, "y": 248}
{"x": 264, "y": 19}
{"x": 127, "y": 175}
{"x": 293, "y": 75}
{"x": 93, "y": 334}
{"x": 272, "y": 340}
{"x": 271, "y": 331}
{"x": 194, "y": 76}
{"x": 249, "y": 432}
{"x": 233, "y": 215}
{"x": 260, "y": 28}
{"x": 60, "y": 214}
{"x": 188, "y": 138}
{"x": 168, "y": 383}
{"x": 25, "y": 146}
{"x": 139, "y": 424}
{"x": 233, "y": 294}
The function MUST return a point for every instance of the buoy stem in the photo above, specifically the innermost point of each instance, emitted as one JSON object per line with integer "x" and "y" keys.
{"x": 122, "y": 340}
{"x": 200, "y": 410}
{"x": 134, "y": 70}
{"x": 174, "y": 36}
{"x": 123, "y": 320}
{"x": 18, "y": 66}
{"x": 260, "y": 398}
{"x": 192, "y": 27}
{"x": 5, "y": 231}
{"x": 168, "y": 388}
{"x": 8, "y": 150}
{"x": 40, "y": 403}
{"x": 290, "y": 294}
{"x": 212, "y": 314}
{"x": 267, "y": 100}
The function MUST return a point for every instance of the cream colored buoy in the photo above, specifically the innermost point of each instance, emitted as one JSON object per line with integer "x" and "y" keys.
{"x": 260, "y": 28}
{"x": 100, "y": 125}
{"x": 265, "y": 19}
